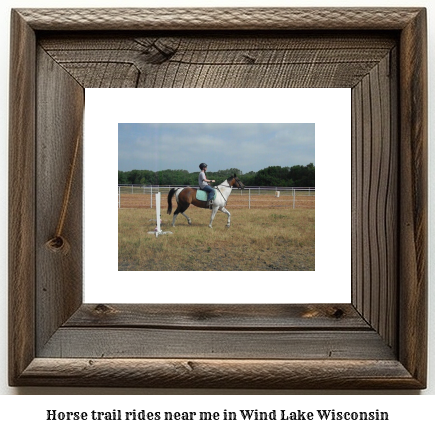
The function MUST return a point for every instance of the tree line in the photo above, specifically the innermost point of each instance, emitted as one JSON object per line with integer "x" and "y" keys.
{"x": 274, "y": 176}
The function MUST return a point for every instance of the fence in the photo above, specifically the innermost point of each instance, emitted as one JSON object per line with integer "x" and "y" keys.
{"x": 141, "y": 196}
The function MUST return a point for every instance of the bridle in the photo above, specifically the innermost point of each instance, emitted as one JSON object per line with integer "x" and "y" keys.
{"x": 238, "y": 182}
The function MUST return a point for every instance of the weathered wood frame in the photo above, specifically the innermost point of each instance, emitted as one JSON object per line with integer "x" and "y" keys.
{"x": 377, "y": 341}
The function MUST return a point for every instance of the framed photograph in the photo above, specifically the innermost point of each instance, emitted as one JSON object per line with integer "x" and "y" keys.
{"x": 267, "y": 233}
{"x": 377, "y": 341}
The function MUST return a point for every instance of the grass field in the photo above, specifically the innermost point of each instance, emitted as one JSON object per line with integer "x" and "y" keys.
{"x": 258, "y": 240}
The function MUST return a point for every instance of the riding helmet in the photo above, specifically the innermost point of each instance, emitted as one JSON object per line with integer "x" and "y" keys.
{"x": 202, "y": 166}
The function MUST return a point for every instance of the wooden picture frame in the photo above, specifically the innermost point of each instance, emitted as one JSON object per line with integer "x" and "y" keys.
{"x": 376, "y": 342}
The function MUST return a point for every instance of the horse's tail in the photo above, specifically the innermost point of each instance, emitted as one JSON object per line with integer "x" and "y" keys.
{"x": 170, "y": 195}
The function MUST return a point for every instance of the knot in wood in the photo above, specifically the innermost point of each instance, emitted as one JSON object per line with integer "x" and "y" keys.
{"x": 58, "y": 244}
{"x": 338, "y": 313}
{"x": 103, "y": 309}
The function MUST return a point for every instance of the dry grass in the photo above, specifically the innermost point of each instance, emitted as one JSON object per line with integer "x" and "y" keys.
{"x": 262, "y": 239}
{"x": 238, "y": 199}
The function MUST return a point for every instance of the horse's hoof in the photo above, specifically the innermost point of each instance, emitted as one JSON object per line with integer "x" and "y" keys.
{"x": 190, "y": 222}
{"x": 227, "y": 226}
{"x": 210, "y": 226}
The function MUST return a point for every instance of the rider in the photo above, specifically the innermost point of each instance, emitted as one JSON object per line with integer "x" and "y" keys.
{"x": 203, "y": 183}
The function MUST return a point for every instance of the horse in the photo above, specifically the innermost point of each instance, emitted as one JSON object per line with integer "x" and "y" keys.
{"x": 186, "y": 196}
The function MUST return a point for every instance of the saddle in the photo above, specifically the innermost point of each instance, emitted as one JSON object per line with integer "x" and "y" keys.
{"x": 202, "y": 195}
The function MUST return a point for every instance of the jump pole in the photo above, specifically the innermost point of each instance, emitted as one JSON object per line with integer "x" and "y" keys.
{"x": 157, "y": 230}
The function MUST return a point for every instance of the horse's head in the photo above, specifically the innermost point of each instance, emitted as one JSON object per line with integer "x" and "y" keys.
{"x": 235, "y": 182}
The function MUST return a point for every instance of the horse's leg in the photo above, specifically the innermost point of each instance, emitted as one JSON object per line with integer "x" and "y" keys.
{"x": 225, "y": 211}
{"x": 180, "y": 209}
{"x": 213, "y": 214}
{"x": 187, "y": 218}
{"x": 173, "y": 218}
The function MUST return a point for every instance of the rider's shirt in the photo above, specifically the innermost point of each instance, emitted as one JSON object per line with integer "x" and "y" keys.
{"x": 201, "y": 180}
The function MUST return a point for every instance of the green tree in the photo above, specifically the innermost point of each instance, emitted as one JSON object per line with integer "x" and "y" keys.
{"x": 276, "y": 176}
{"x": 122, "y": 179}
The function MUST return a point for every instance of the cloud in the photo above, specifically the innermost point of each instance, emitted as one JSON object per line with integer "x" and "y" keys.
{"x": 249, "y": 147}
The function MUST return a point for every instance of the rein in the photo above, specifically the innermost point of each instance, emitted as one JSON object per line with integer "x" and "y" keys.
{"x": 228, "y": 186}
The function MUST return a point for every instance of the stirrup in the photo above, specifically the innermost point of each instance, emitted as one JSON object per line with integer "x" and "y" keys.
{"x": 210, "y": 204}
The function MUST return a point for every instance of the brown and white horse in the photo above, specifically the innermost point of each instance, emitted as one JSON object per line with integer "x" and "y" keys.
{"x": 187, "y": 196}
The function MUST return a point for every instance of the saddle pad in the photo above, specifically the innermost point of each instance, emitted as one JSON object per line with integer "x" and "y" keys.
{"x": 202, "y": 195}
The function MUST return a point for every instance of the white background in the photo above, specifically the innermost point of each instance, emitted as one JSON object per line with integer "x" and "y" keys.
{"x": 329, "y": 109}
{"x": 25, "y": 412}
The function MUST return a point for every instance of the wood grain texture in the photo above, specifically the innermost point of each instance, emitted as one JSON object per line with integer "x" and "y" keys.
{"x": 377, "y": 342}
{"x": 375, "y": 197}
{"x": 228, "y": 374}
{"x": 414, "y": 187}
{"x": 21, "y": 197}
{"x": 127, "y": 342}
{"x": 220, "y": 18}
{"x": 235, "y": 60}
{"x": 220, "y": 317}
{"x": 59, "y": 277}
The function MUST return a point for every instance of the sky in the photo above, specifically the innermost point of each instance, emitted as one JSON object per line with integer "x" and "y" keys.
{"x": 247, "y": 147}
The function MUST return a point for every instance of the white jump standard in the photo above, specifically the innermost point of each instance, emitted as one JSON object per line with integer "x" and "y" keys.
{"x": 157, "y": 230}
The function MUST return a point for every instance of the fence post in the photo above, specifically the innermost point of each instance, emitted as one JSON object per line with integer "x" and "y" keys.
{"x": 158, "y": 211}
{"x": 249, "y": 201}
{"x": 119, "y": 196}
{"x": 294, "y": 198}
{"x": 151, "y": 197}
